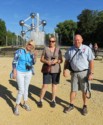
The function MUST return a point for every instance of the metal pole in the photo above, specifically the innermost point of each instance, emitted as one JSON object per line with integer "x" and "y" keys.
{"x": 73, "y": 37}
{"x": 6, "y": 40}
{"x": 37, "y": 28}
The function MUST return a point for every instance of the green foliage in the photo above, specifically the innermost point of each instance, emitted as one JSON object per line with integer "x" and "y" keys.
{"x": 11, "y": 38}
{"x": 65, "y": 31}
{"x": 90, "y": 26}
{"x": 2, "y": 32}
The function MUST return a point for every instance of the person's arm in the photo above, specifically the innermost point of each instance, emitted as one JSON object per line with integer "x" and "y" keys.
{"x": 43, "y": 60}
{"x": 14, "y": 64}
{"x": 91, "y": 70}
{"x": 34, "y": 56}
{"x": 65, "y": 71}
{"x": 60, "y": 59}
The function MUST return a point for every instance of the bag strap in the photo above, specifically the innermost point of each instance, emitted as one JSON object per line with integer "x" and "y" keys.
{"x": 54, "y": 51}
{"x": 88, "y": 90}
{"x": 74, "y": 56}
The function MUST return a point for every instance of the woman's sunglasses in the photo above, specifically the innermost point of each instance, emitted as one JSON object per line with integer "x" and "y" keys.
{"x": 30, "y": 44}
{"x": 52, "y": 41}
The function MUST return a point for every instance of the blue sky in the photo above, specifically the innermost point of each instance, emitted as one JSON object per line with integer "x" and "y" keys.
{"x": 53, "y": 11}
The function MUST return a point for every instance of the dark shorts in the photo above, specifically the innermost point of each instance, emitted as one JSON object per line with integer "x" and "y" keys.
{"x": 51, "y": 78}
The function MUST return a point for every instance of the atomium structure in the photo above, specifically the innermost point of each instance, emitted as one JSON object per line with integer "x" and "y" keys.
{"x": 36, "y": 28}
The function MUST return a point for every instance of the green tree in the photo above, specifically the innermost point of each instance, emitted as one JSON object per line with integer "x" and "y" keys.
{"x": 2, "y": 32}
{"x": 65, "y": 32}
{"x": 11, "y": 38}
{"x": 90, "y": 26}
{"x": 98, "y": 35}
{"x": 87, "y": 24}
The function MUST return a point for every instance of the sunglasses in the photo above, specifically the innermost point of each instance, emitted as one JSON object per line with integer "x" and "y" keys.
{"x": 30, "y": 44}
{"x": 52, "y": 41}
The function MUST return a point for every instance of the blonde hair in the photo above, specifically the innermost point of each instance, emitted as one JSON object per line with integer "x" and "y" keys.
{"x": 32, "y": 42}
{"x": 53, "y": 38}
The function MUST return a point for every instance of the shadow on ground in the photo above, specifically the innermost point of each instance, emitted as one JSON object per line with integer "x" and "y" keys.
{"x": 36, "y": 91}
{"x": 97, "y": 87}
{"x": 99, "y": 80}
{"x": 7, "y": 96}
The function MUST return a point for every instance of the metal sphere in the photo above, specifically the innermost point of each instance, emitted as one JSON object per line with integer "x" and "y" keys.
{"x": 32, "y": 26}
{"x": 21, "y": 22}
{"x": 22, "y": 33}
{"x": 32, "y": 15}
{"x": 43, "y": 22}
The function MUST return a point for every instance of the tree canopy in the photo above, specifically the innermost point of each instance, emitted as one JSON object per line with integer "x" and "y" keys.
{"x": 2, "y": 32}
{"x": 65, "y": 31}
{"x": 89, "y": 25}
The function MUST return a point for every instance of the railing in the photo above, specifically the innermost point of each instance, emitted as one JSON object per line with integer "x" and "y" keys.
{"x": 99, "y": 53}
{"x": 9, "y": 51}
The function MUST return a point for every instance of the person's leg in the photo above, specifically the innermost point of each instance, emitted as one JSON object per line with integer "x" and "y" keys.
{"x": 83, "y": 84}
{"x": 20, "y": 83}
{"x": 27, "y": 80}
{"x": 73, "y": 93}
{"x": 72, "y": 97}
{"x": 84, "y": 110}
{"x": 42, "y": 94}
{"x": 83, "y": 79}
{"x": 84, "y": 98}
{"x": 74, "y": 87}
{"x": 43, "y": 91}
{"x": 55, "y": 81}
{"x": 54, "y": 91}
{"x": 46, "y": 81}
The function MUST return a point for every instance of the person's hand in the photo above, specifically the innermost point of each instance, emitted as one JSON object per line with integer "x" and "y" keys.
{"x": 54, "y": 61}
{"x": 49, "y": 62}
{"x": 90, "y": 77}
{"x": 35, "y": 53}
{"x": 14, "y": 74}
{"x": 66, "y": 73}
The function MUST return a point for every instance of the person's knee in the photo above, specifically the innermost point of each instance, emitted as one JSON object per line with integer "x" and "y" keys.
{"x": 73, "y": 93}
{"x": 21, "y": 91}
{"x": 45, "y": 86}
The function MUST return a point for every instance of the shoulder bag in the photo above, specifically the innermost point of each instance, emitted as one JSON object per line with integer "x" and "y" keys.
{"x": 69, "y": 62}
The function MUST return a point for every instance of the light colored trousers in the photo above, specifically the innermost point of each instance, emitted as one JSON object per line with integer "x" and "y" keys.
{"x": 23, "y": 81}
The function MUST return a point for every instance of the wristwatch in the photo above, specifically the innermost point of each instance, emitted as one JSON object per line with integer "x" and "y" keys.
{"x": 91, "y": 73}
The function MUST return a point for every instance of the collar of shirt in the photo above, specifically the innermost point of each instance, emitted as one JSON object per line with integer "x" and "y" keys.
{"x": 80, "y": 48}
{"x": 26, "y": 51}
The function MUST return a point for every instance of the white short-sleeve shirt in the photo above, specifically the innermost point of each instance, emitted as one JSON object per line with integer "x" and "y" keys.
{"x": 81, "y": 59}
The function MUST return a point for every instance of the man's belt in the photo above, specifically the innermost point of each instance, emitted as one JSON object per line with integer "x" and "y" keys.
{"x": 80, "y": 71}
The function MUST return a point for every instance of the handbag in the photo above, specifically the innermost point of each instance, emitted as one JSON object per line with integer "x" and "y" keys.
{"x": 69, "y": 62}
{"x": 70, "y": 68}
{"x": 46, "y": 68}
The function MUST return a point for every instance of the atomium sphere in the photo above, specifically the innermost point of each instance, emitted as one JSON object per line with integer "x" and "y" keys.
{"x": 32, "y": 26}
{"x": 43, "y": 22}
{"x": 21, "y": 22}
{"x": 32, "y": 15}
{"x": 22, "y": 33}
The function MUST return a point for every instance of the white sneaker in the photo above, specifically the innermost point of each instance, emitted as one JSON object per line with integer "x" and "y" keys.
{"x": 16, "y": 111}
{"x": 26, "y": 107}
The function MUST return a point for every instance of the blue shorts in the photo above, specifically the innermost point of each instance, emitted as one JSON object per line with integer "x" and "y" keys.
{"x": 51, "y": 78}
